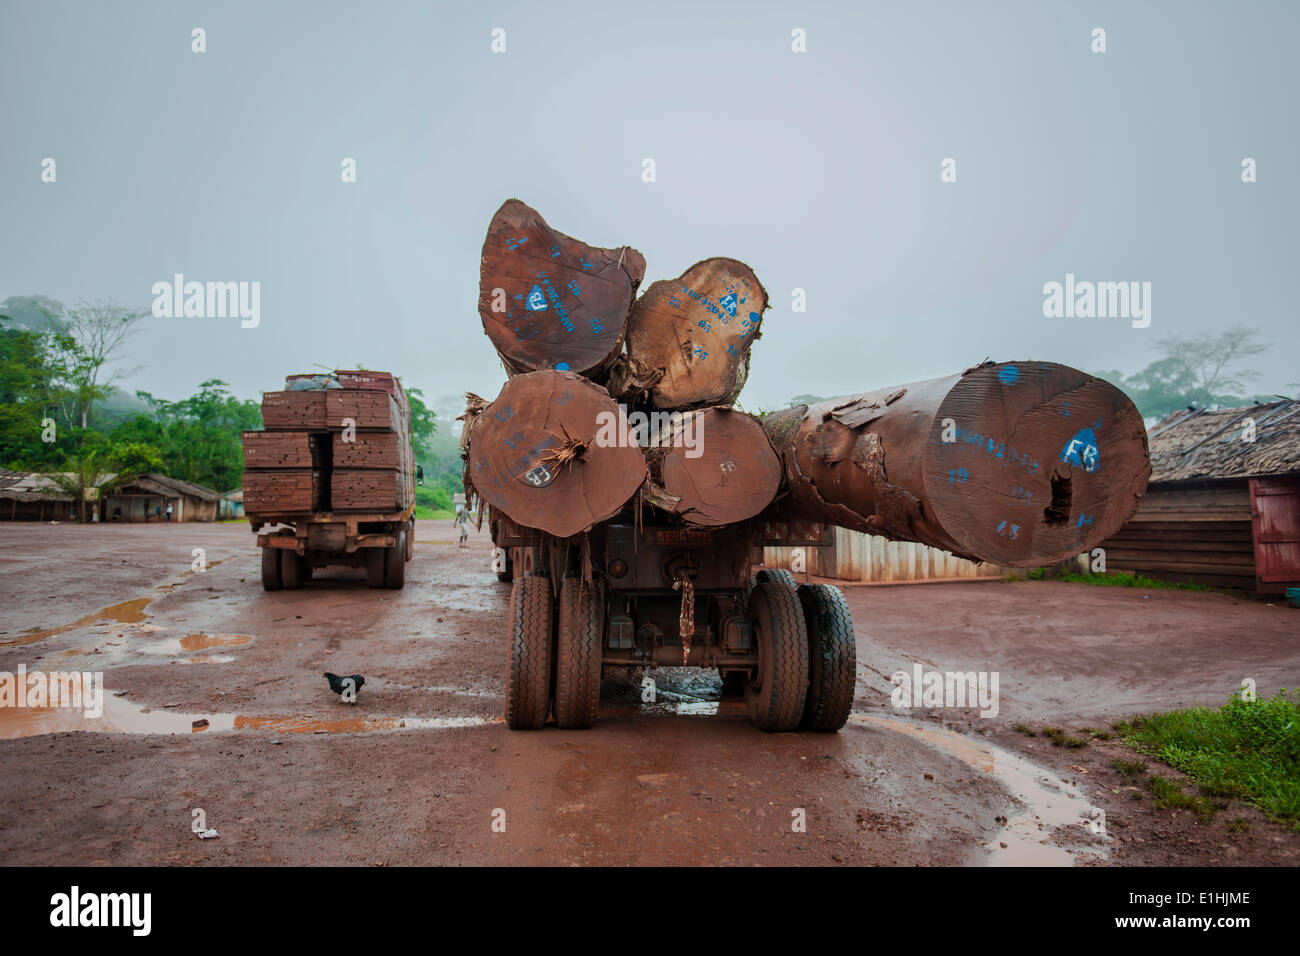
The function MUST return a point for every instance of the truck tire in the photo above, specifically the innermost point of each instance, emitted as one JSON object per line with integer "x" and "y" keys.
{"x": 528, "y": 656}
{"x": 291, "y": 569}
{"x": 832, "y": 658}
{"x": 776, "y": 574}
{"x": 776, "y": 694}
{"x": 577, "y": 664}
{"x": 375, "y": 567}
{"x": 271, "y": 569}
{"x": 395, "y": 564}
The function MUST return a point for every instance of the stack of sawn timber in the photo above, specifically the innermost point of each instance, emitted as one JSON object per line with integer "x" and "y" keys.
{"x": 332, "y": 443}
{"x": 612, "y": 396}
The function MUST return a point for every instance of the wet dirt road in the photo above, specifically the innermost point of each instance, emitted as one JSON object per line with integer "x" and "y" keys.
{"x": 422, "y": 770}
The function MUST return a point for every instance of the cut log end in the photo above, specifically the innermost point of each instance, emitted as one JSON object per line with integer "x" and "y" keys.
{"x": 688, "y": 338}
{"x": 554, "y": 452}
{"x": 720, "y": 467}
{"x": 1018, "y": 464}
{"x": 550, "y": 301}
{"x": 1045, "y": 463}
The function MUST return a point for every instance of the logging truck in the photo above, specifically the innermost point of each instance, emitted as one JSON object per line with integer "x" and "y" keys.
{"x": 635, "y": 552}
{"x": 627, "y": 493}
{"x": 331, "y": 480}
{"x": 623, "y": 597}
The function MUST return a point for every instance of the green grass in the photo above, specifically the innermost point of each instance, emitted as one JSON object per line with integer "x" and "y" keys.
{"x": 1060, "y": 738}
{"x": 1022, "y": 729}
{"x": 1248, "y": 750}
{"x": 1116, "y": 579}
{"x": 1170, "y": 796}
{"x": 423, "y": 513}
{"x": 1129, "y": 768}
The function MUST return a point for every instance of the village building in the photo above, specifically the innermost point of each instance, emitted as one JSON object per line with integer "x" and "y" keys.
{"x": 1222, "y": 507}
{"x": 33, "y": 497}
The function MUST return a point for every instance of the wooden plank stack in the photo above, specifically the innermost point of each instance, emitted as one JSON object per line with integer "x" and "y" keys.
{"x": 345, "y": 449}
{"x": 1018, "y": 464}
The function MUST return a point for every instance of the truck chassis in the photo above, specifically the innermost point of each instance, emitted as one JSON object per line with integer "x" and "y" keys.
{"x": 297, "y": 542}
{"x": 627, "y": 596}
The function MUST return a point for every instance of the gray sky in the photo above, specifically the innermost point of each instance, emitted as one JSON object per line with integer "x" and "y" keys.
{"x": 819, "y": 169}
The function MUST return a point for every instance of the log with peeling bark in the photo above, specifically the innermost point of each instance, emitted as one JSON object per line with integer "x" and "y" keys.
{"x": 1020, "y": 464}
{"x": 550, "y": 301}
{"x": 714, "y": 466}
{"x": 553, "y": 452}
{"x": 688, "y": 338}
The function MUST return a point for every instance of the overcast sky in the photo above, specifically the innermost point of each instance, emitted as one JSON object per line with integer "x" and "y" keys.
{"x": 820, "y": 169}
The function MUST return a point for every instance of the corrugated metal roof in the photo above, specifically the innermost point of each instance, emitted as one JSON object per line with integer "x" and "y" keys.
{"x": 1187, "y": 446}
{"x": 23, "y": 486}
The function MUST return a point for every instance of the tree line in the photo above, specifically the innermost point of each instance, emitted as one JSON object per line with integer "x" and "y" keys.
{"x": 62, "y": 413}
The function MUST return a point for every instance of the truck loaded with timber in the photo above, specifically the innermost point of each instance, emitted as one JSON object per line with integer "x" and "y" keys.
{"x": 331, "y": 479}
{"x": 630, "y": 498}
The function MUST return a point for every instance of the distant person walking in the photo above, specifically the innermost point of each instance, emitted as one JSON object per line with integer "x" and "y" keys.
{"x": 169, "y": 511}
{"x": 461, "y": 519}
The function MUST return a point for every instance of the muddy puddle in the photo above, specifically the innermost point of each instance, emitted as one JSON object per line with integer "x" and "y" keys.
{"x": 670, "y": 693}
{"x": 128, "y": 612}
{"x": 121, "y": 716}
{"x": 1048, "y": 804}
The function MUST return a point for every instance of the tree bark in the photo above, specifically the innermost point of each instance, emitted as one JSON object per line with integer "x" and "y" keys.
{"x": 1019, "y": 464}
{"x": 688, "y": 338}
{"x": 553, "y": 452}
{"x": 550, "y": 301}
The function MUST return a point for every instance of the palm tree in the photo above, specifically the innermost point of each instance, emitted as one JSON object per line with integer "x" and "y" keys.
{"x": 91, "y": 472}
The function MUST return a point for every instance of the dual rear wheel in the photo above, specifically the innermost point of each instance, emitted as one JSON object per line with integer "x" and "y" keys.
{"x": 553, "y": 663}
{"x": 807, "y": 656}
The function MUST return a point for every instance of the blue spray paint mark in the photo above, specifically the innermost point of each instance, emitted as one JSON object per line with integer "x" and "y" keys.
{"x": 1008, "y": 374}
{"x": 1082, "y": 450}
{"x": 728, "y": 302}
{"x": 562, "y": 366}
{"x": 1083, "y": 520}
{"x": 536, "y": 300}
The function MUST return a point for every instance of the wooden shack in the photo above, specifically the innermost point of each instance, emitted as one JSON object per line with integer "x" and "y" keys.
{"x": 1223, "y": 504}
{"x": 146, "y": 499}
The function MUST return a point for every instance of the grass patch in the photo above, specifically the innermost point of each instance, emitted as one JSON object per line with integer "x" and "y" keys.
{"x": 1170, "y": 796}
{"x": 1248, "y": 750}
{"x": 425, "y": 513}
{"x": 1060, "y": 738}
{"x": 1116, "y": 579}
{"x": 1129, "y": 768}
{"x": 1022, "y": 729}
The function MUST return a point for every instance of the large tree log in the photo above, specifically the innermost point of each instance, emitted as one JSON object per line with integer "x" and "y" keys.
{"x": 688, "y": 338}
{"x": 714, "y": 466}
{"x": 1019, "y": 464}
{"x": 550, "y": 301}
{"x": 534, "y": 453}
